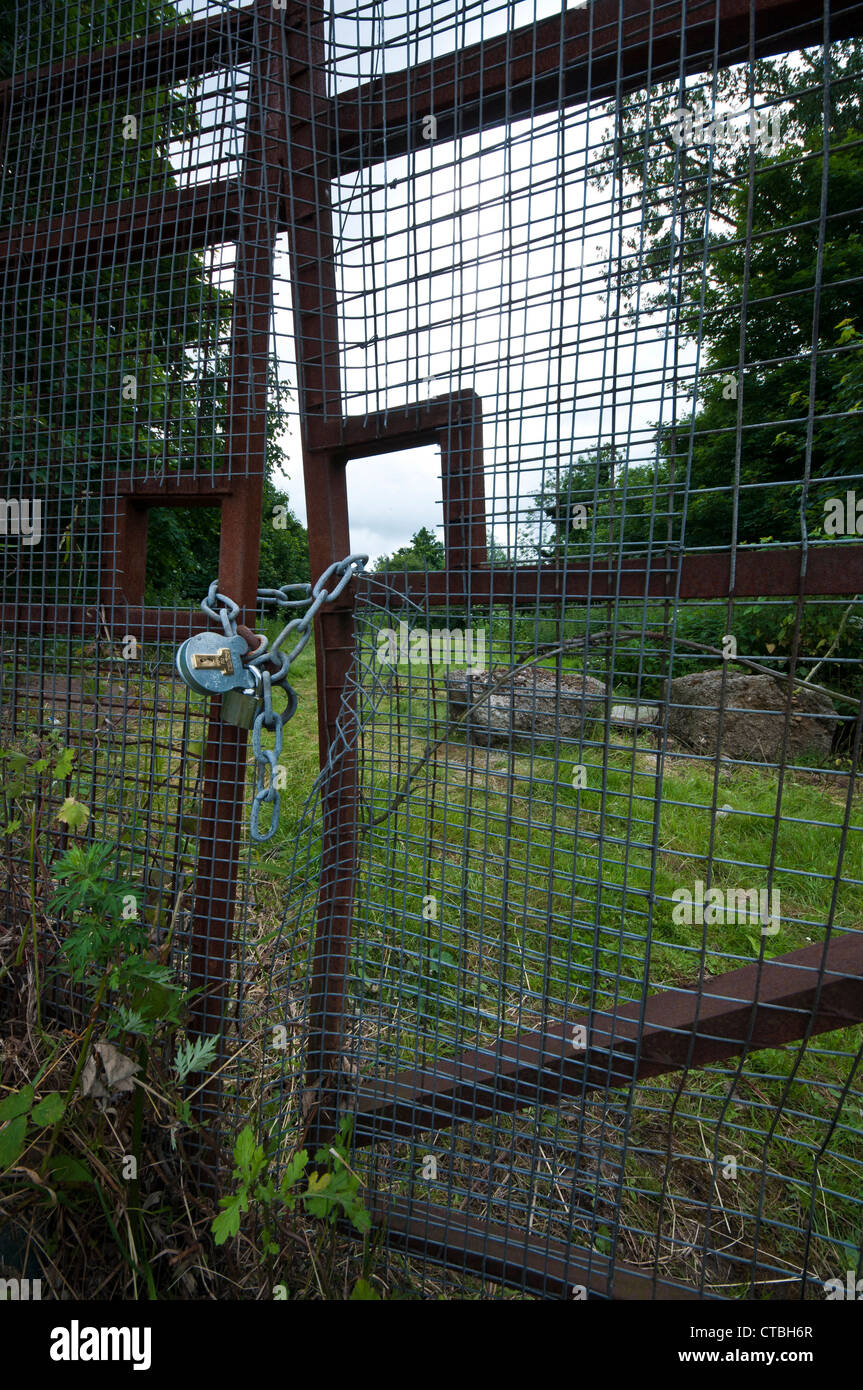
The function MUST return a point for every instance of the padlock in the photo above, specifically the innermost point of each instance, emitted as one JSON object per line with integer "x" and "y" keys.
{"x": 240, "y": 707}
{"x": 211, "y": 663}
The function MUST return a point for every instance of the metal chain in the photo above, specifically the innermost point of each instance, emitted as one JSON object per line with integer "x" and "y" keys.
{"x": 316, "y": 596}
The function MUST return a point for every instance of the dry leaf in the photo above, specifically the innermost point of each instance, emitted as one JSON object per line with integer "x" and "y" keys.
{"x": 115, "y": 1074}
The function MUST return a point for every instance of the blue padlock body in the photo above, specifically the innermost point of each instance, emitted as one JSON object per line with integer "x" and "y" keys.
{"x": 210, "y": 681}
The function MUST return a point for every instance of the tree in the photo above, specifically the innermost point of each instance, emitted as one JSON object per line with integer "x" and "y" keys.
{"x": 598, "y": 501}
{"x": 425, "y": 552}
{"x": 729, "y": 237}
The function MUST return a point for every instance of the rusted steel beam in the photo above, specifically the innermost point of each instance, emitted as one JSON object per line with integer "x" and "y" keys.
{"x": 386, "y": 430}
{"x": 463, "y": 487}
{"x": 547, "y": 1266}
{"x": 179, "y": 220}
{"x": 526, "y": 60}
{"x": 162, "y": 58}
{"x": 805, "y": 993}
{"x": 831, "y": 570}
{"x": 834, "y": 570}
{"x": 454, "y": 423}
{"x": 212, "y": 946}
{"x": 589, "y": 53}
{"x": 147, "y": 624}
{"x": 316, "y": 318}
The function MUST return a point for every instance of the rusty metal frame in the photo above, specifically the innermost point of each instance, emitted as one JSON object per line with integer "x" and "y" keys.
{"x": 125, "y": 514}
{"x": 225, "y": 751}
{"x": 587, "y": 54}
{"x": 831, "y": 570}
{"x": 762, "y": 1005}
{"x": 454, "y": 423}
{"x": 548, "y": 1266}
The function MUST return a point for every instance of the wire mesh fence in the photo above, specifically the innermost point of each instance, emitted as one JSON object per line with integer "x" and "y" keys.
{"x": 535, "y": 873}
{"x": 570, "y": 923}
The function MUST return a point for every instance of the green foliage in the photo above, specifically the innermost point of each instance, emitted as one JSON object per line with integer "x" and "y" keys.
{"x": 125, "y": 989}
{"x": 326, "y": 1189}
{"x": 714, "y": 245}
{"x": 425, "y": 552}
{"x": 595, "y": 502}
{"x": 197, "y": 1055}
{"x": 20, "y": 1114}
{"x": 284, "y": 542}
{"x": 73, "y": 813}
{"x": 29, "y": 776}
{"x": 363, "y": 1292}
{"x": 103, "y": 944}
{"x": 30, "y": 772}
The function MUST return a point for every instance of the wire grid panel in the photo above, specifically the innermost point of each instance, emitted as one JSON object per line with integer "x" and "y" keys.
{"x": 497, "y": 894}
{"x": 132, "y": 391}
{"x": 608, "y": 769}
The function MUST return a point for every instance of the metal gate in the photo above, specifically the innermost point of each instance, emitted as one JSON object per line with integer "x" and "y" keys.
{"x": 605, "y": 261}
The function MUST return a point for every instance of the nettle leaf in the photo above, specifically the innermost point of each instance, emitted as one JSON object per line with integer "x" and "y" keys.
{"x": 244, "y": 1147}
{"x": 17, "y": 1104}
{"x": 360, "y": 1218}
{"x": 74, "y": 813}
{"x": 317, "y": 1200}
{"x": 49, "y": 1110}
{"x": 363, "y": 1292}
{"x": 12, "y": 1141}
{"x": 249, "y": 1157}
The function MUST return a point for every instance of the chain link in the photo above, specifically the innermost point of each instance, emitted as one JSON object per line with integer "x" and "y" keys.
{"x": 316, "y": 597}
